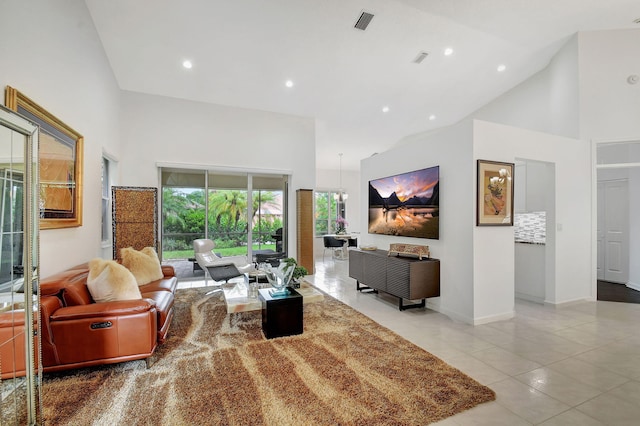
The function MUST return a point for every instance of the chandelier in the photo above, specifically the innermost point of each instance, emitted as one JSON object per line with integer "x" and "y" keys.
{"x": 341, "y": 196}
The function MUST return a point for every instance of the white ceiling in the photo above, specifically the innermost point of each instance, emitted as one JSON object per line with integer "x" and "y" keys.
{"x": 243, "y": 51}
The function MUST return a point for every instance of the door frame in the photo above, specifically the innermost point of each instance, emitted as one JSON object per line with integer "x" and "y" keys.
{"x": 594, "y": 199}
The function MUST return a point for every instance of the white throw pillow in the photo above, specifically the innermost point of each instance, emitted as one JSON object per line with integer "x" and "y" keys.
{"x": 109, "y": 281}
{"x": 143, "y": 264}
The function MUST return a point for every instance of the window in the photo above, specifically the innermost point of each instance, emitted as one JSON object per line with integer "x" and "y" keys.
{"x": 327, "y": 210}
{"x": 241, "y": 212}
{"x": 267, "y": 219}
{"x": 106, "y": 201}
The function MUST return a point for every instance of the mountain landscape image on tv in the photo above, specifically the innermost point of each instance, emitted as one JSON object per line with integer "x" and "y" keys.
{"x": 406, "y": 205}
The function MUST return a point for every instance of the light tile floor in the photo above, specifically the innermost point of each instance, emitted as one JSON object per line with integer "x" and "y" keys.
{"x": 573, "y": 365}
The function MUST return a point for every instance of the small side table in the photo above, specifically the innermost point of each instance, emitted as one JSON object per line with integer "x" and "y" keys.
{"x": 281, "y": 315}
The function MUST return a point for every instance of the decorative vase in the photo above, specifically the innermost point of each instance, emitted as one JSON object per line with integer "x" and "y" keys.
{"x": 278, "y": 277}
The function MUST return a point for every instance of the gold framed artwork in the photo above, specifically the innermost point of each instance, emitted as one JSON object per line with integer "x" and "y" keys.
{"x": 494, "y": 205}
{"x": 61, "y": 162}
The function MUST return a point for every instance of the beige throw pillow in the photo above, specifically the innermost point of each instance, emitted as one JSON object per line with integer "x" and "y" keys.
{"x": 143, "y": 264}
{"x": 109, "y": 281}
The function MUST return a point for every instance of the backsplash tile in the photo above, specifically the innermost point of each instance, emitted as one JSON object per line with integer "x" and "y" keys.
{"x": 530, "y": 227}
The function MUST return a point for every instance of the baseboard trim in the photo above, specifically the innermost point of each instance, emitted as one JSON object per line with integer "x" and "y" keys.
{"x": 451, "y": 314}
{"x": 493, "y": 318}
{"x": 529, "y": 297}
{"x": 567, "y": 302}
{"x": 633, "y": 286}
{"x": 468, "y": 320}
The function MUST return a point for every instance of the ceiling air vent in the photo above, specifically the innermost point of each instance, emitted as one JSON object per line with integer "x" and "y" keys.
{"x": 363, "y": 21}
{"x": 421, "y": 57}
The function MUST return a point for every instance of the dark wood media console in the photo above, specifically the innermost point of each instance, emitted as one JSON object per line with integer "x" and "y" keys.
{"x": 403, "y": 277}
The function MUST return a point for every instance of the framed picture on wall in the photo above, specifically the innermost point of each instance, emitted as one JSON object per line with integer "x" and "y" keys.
{"x": 494, "y": 205}
{"x": 60, "y": 158}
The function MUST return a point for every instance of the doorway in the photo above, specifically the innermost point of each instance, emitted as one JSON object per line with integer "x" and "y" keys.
{"x": 613, "y": 231}
{"x": 534, "y": 230}
{"x": 618, "y": 229}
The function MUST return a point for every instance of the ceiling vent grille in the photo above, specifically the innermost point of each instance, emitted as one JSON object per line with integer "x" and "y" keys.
{"x": 421, "y": 57}
{"x": 363, "y": 21}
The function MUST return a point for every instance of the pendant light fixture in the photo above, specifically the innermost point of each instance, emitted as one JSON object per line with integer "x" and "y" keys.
{"x": 341, "y": 196}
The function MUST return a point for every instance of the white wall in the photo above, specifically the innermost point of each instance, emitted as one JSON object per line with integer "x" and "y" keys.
{"x": 547, "y": 102}
{"x": 50, "y": 51}
{"x": 493, "y": 275}
{"x": 609, "y": 106}
{"x": 564, "y": 91}
{"x": 452, "y": 151}
{"x": 537, "y": 186}
{"x": 158, "y": 129}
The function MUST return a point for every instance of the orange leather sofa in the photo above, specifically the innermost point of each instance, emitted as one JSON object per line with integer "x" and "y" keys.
{"x": 76, "y": 332}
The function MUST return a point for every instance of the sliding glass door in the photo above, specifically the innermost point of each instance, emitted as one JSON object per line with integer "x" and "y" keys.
{"x": 183, "y": 211}
{"x": 242, "y": 213}
{"x": 268, "y": 207}
{"x": 228, "y": 212}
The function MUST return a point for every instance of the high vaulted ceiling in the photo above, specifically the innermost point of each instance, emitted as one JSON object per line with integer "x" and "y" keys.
{"x": 243, "y": 51}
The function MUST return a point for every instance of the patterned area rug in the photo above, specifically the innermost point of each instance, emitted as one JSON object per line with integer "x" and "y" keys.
{"x": 219, "y": 369}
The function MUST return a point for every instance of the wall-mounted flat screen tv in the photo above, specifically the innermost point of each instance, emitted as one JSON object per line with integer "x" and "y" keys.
{"x": 406, "y": 205}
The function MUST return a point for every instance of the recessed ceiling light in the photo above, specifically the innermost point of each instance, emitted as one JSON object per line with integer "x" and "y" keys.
{"x": 432, "y": 117}
{"x": 187, "y": 64}
{"x": 448, "y": 51}
{"x": 385, "y": 109}
{"x": 288, "y": 83}
{"x": 502, "y": 67}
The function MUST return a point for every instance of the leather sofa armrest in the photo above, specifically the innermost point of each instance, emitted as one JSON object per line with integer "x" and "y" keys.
{"x": 94, "y": 310}
{"x": 168, "y": 271}
{"x": 150, "y": 301}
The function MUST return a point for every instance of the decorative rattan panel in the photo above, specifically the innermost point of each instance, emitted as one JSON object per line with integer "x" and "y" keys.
{"x": 304, "y": 224}
{"x": 135, "y": 218}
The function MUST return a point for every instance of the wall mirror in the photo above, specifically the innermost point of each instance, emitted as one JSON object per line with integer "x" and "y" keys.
{"x": 61, "y": 158}
{"x": 21, "y": 378}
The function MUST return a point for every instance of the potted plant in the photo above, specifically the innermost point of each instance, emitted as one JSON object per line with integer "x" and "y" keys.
{"x": 298, "y": 271}
{"x": 341, "y": 225}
